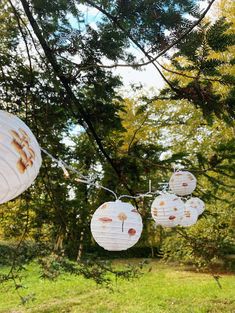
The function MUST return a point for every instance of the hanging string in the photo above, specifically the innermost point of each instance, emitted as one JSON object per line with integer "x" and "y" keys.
{"x": 83, "y": 179}
{"x": 165, "y": 187}
{"x": 135, "y": 197}
{"x": 66, "y": 173}
{"x": 86, "y": 180}
{"x": 178, "y": 167}
{"x": 150, "y": 193}
{"x": 97, "y": 185}
{"x": 64, "y": 166}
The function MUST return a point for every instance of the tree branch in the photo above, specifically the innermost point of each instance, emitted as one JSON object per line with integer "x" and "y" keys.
{"x": 24, "y": 38}
{"x": 135, "y": 133}
{"x": 188, "y": 31}
{"x": 82, "y": 117}
{"x": 116, "y": 22}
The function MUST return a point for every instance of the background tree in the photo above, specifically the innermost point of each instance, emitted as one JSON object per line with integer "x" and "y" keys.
{"x": 54, "y": 75}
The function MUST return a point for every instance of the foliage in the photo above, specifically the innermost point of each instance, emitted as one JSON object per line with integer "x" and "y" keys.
{"x": 165, "y": 289}
{"x": 101, "y": 271}
{"x": 206, "y": 245}
{"x": 73, "y": 104}
{"x": 203, "y": 69}
{"x": 21, "y": 255}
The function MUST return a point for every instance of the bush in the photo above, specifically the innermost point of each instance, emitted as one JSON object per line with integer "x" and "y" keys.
{"x": 205, "y": 245}
{"x": 24, "y": 253}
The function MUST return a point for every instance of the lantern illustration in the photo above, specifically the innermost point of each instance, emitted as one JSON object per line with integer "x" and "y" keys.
{"x": 20, "y": 157}
{"x": 189, "y": 218}
{"x": 195, "y": 203}
{"x": 116, "y": 225}
{"x": 167, "y": 210}
{"x": 182, "y": 183}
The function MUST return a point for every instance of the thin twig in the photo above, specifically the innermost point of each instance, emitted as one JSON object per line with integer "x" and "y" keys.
{"x": 178, "y": 40}
{"x": 73, "y": 100}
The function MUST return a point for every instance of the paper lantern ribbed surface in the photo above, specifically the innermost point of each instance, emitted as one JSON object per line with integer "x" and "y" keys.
{"x": 182, "y": 183}
{"x": 167, "y": 210}
{"x": 20, "y": 157}
{"x": 189, "y": 218}
{"x": 116, "y": 226}
{"x": 195, "y": 203}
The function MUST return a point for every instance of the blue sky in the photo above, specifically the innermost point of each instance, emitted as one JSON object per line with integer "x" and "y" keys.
{"x": 148, "y": 76}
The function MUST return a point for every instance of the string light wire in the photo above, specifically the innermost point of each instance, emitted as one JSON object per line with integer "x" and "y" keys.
{"x": 64, "y": 166}
{"x": 86, "y": 180}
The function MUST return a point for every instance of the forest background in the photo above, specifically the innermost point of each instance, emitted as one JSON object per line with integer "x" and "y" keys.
{"x": 57, "y": 75}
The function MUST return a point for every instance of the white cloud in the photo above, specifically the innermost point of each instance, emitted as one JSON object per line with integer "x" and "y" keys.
{"x": 148, "y": 77}
{"x": 87, "y": 10}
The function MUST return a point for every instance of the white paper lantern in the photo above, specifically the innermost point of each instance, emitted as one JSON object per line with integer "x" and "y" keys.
{"x": 116, "y": 226}
{"x": 189, "y": 218}
{"x": 20, "y": 157}
{"x": 167, "y": 210}
{"x": 195, "y": 203}
{"x": 182, "y": 183}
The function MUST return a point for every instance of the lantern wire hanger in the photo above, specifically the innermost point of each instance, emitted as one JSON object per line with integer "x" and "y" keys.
{"x": 65, "y": 167}
{"x": 149, "y": 193}
{"x": 164, "y": 188}
{"x": 97, "y": 185}
{"x": 86, "y": 180}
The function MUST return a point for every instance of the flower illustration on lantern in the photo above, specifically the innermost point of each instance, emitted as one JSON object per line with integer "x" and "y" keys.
{"x": 122, "y": 217}
{"x": 189, "y": 218}
{"x": 106, "y": 230}
{"x": 167, "y": 210}
{"x": 105, "y": 219}
{"x": 182, "y": 183}
{"x": 195, "y": 203}
{"x": 131, "y": 232}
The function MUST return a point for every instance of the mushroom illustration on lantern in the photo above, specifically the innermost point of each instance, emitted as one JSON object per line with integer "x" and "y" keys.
{"x": 20, "y": 157}
{"x": 196, "y": 204}
{"x": 116, "y": 225}
{"x": 182, "y": 183}
{"x": 189, "y": 218}
{"x": 167, "y": 210}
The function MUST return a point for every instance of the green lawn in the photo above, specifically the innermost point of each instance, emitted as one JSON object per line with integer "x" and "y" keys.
{"x": 164, "y": 289}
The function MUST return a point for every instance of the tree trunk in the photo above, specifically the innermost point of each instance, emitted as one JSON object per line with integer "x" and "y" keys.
{"x": 59, "y": 241}
{"x": 80, "y": 248}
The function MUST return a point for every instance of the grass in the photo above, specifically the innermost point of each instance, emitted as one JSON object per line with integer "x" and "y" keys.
{"x": 164, "y": 289}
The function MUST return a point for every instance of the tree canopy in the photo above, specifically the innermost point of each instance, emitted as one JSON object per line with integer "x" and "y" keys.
{"x": 56, "y": 74}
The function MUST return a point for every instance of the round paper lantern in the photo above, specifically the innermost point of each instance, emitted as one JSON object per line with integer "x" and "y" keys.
{"x": 182, "y": 183}
{"x": 20, "y": 157}
{"x": 167, "y": 210}
{"x": 195, "y": 203}
{"x": 189, "y": 218}
{"x": 116, "y": 226}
